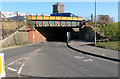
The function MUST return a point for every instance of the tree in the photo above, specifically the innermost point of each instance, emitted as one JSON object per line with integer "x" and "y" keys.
{"x": 104, "y": 19}
{"x": 31, "y": 24}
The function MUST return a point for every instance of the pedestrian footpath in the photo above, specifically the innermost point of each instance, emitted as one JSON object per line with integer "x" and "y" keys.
{"x": 82, "y": 46}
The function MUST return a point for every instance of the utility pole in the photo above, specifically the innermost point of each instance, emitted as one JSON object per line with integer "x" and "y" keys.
{"x": 0, "y": 26}
{"x": 95, "y": 24}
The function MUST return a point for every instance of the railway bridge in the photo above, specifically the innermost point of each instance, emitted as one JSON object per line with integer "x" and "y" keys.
{"x": 55, "y": 27}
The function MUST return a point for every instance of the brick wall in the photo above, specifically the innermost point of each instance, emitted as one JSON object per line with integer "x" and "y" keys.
{"x": 35, "y": 36}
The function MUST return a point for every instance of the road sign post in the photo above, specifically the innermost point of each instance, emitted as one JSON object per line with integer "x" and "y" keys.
{"x": 68, "y": 36}
{"x": 2, "y": 66}
{"x": 95, "y": 24}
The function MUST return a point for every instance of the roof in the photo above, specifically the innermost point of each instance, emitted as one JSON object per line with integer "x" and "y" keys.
{"x": 58, "y": 4}
{"x": 14, "y": 15}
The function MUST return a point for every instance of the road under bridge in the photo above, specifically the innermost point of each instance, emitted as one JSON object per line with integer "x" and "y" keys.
{"x": 55, "y": 27}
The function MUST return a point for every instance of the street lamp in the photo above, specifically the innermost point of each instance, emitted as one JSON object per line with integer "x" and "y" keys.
{"x": 95, "y": 24}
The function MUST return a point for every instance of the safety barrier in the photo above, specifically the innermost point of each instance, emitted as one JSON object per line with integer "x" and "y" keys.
{"x": 2, "y": 66}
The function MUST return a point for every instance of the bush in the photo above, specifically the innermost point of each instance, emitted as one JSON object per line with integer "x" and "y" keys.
{"x": 111, "y": 31}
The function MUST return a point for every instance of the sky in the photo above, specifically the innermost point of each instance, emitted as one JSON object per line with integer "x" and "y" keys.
{"x": 82, "y": 9}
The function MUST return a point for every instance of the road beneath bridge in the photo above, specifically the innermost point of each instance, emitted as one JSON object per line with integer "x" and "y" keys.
{"x": 55, "y": 59}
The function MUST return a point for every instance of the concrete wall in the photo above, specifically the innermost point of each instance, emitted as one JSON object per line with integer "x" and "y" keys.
{"x": 23, "y": 35}
{"x": 87, "y": 34}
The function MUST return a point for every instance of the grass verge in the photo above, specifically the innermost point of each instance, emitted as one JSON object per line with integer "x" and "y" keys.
{"x": 114, "y": 45}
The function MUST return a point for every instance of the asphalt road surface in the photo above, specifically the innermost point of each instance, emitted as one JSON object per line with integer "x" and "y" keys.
{"x": 55, "y": 59}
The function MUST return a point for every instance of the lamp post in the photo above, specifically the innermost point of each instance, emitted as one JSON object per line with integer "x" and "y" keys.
{"x": 95, "y": 24}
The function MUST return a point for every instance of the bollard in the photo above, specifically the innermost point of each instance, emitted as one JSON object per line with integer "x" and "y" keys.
{"x": 2, "y": 66}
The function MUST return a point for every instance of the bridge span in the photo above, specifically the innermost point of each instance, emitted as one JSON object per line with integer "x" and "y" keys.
{"x": 55, "y": 21}
{"x": 55, "y": 27}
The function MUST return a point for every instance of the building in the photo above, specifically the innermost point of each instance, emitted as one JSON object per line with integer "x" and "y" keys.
{"x": 58, "y": 8}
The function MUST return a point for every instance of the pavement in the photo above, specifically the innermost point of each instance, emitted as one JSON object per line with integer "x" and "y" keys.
{"x": 55, "y": 59}
{"x": 96, "y": 51}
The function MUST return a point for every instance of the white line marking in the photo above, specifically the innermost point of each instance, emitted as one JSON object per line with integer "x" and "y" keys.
{"x": 19, "y": 62}
{"x": 37, "y": 50}
{"x": 27, "y": 58}
{"x": 88, "y": 60}
{"x": 11, "y": 69}
{"x": 21, "y": 68}
{"x": 13, "y": 62}
{"x": 79, "y": 57}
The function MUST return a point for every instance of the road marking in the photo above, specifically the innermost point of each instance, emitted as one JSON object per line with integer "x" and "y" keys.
{"x": 13, "y": 62}
{"x": 84, "y": 59}
{"x": 9, "y": 68}
{"x": 104, "y": 59}
{"x": 37, "y": 50}
{"x": 79, "y": 57}
{"x": 21, "y": 68}
{"x": 27, "y": 58}
{"x": 87, "y": 60}
{"x": 97, "y": 57}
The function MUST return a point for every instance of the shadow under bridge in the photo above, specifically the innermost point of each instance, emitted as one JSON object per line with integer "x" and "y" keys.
{"x": 54, "y": 33}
